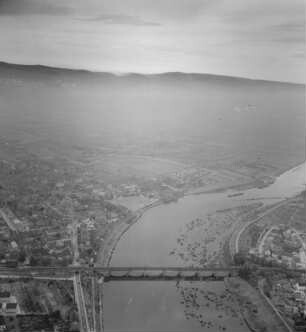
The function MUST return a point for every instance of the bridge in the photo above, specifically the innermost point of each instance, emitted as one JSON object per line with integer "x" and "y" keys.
{"x": 91, "y": 314}
{"x": 121, "y": 273}
{"x": 130, "y": 273}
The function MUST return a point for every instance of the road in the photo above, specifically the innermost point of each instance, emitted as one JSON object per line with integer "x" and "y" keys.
{"x": 282, "y": 320}
{"x": 80, "y": 300}
{"x": 11, "y": 276}
{"x": 254, "y": 221}
{"x": 101, "y": 312}
{"x": 10, "y": 224}
{"x": 263, "y": 240}
{"x": 99, "y": 275}
{"x": 119, "y": 273}
{"x": 131, "y": 273}
{"x": 93, "y": 302}
{"x": 96, "y": 305}
{"x": 74, "y": 242}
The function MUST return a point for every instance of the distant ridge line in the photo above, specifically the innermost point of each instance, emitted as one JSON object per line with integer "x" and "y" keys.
{"x": 38, "y": 68}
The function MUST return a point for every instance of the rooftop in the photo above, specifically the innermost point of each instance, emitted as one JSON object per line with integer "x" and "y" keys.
{"x": 11, "y": 306}
{"x": 5, "y": 294}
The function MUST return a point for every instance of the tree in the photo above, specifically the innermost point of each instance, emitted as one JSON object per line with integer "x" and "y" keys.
{"x": 56, "y": 315}
{"x": 33, "y": 261}
{"x": 267, "y": 289}
{"x": 21, "y": 256}
{"x": 239, "y": 259}
{"x": 245, "y": 272}
{"x": 45, "y": 261}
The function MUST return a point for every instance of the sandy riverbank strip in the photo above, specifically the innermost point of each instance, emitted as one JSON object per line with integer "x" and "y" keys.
{"x": 106, "y": 251}
{"x": 108, "y": 248}
{"x": 110, "y": 244}
{"x": 214, "y": 190}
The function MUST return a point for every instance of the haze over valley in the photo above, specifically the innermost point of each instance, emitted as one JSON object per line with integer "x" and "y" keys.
{"x": 202, "y": 120}
{"x": 152, "y": 166}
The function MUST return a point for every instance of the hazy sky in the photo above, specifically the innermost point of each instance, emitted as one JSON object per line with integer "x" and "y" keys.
{"x": 251, "y": 38}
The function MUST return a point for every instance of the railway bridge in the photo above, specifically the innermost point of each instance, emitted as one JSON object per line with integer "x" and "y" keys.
{"x": 91, "y": 312}
{"x": 121, "y": 273}
{"x": 165, "y": 273}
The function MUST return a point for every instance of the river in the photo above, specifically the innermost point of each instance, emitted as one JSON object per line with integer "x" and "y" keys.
{"x": 165, "y": 306}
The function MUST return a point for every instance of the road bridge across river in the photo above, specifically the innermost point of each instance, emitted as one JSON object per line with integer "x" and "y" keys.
{"x": 131, "y": 273}
{"x": 91, "y": 314}
{"x": 121, "y": 273}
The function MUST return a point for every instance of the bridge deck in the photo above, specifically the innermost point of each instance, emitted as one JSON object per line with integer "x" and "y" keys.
{"x": 128, "y": 273}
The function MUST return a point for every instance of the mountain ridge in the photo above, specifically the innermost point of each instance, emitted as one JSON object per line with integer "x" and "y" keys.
{"x": 61, "y": 72}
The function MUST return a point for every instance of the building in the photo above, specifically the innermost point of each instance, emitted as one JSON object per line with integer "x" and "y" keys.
{"x": 8, "y": 304}
{"x": 11, "y": 309}
{"x": 2, "y": 323}
{"x": 5, "y": 297}
{"x": 87, "y": 232}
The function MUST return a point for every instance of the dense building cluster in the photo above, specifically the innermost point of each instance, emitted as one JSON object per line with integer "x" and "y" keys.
{"x": 280, "y": 246}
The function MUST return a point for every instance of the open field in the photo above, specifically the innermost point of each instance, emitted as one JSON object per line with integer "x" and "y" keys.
{"x": 134, "y": 166}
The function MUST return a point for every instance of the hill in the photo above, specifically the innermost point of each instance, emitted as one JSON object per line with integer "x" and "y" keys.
{"x": 40, "y": 72}
{"x": 240, "y": 125}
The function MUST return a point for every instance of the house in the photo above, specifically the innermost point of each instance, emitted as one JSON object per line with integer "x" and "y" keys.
{"x": 2, "y": 324}
{"x": 301, "y": 286}
{"x": 5, "y": 296}
{"x": 11, "y": 308}
{"x": 268, "y": 252}
{"x": 300, "y": 266}
{"x": 287, "y": 261}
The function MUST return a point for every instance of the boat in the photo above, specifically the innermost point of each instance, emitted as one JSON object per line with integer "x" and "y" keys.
{"x": 234, "y": 195}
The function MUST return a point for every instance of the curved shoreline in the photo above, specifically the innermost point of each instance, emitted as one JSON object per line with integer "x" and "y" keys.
{"x": 127, "y": 223}
{"x": 245, "y": 185}
{"x": 120, "y": 230}
{"x": 117, "y": 235}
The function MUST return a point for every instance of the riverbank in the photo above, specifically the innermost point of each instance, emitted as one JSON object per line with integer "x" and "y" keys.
{"x": 204, "y": 241}
{"x": 238, "y": 187}
{"x": 254, "y": 309}
{"x": 255, "y": 183}
{"x": 110, "y": 244}
{"x": 242, "y": 240}
{"x": 106, "y": 251}
{"x": 192, "y": 220}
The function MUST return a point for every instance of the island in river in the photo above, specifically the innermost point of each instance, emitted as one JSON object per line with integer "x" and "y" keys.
{"x": 195, "y": 231}
{"x": 89, "y": 150}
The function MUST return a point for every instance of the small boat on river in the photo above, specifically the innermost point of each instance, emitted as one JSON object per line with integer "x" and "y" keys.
{"x": 234, "y": 195}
